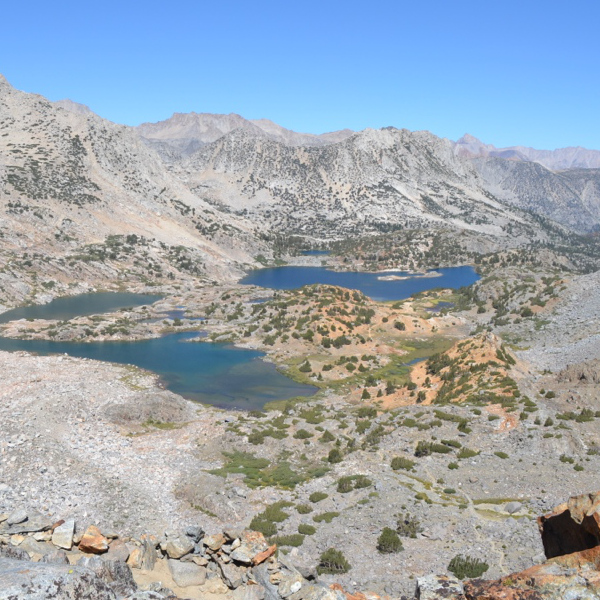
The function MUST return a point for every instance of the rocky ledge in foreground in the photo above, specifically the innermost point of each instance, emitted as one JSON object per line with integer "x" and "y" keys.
{"x": 41, "y": 559}
{"x": 571, "y": 538}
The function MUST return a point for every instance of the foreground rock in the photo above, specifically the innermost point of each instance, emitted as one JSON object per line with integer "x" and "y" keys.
{"x": 21, "y": 579}
{"x": 571, "y": 537}
{"x": 235, "y": 565}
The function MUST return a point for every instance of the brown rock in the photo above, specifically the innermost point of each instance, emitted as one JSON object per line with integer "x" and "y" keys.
{"x": 93, "y": 541}
{"x": 262, "y": 556}
{"x": 252, "y": 543}
{"x": 144, "y": 557}
{"x": 57, "y": 524}
{"x": 214, "y": 542}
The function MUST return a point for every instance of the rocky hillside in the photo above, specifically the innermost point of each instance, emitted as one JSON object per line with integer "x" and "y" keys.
{"x": 570, "y": 197}
{"x": 72, "y": 185}
{"x": 374, "y": 181}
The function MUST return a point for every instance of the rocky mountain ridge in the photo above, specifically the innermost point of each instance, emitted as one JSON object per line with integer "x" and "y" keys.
{"x": 374, "y": 181}
{"x": 556, "y": 160}
{"x": 184, "y": 133}
{"x": 72, "y": 184}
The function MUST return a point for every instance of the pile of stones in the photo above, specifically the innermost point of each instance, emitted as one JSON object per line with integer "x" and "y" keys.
{"x": 42, "y": 558}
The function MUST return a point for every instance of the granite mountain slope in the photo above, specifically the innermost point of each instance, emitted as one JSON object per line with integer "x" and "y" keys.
{"x": 374, "y": 181}
{"x": 392, "y": 183}
{"x": 184, "y": 133}
{"x": 570, "y": 197}
{"x": 70, "y": 180}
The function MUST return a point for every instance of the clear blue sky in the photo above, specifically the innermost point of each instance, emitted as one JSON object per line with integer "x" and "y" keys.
{"x": 512, "y": 72}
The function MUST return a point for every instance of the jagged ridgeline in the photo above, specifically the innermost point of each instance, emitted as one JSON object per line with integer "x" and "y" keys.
{"x": 206, "y": 194}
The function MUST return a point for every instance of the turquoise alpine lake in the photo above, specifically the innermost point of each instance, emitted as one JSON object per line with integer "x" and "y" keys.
{"x": 380, "y": 286}
{"x": 211, "y": 373}
{"x": 217, "y": 374}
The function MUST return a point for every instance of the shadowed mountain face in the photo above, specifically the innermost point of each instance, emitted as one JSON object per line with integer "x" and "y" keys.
{"x": 374, "y": 181}
{"x": 570, "y": 197}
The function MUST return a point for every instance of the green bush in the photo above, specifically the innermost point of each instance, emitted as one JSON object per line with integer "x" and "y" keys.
{"x": 327, "y": 436}
{"x": 345, "y": 484}
{"x": 326, "y": 517}
{"x": 366, "y": 412}
{"x": 317, "y": 497}
{"x": 305, "y": 367}
{"x": 352, "y": 482}
{"x": 399, "y": 462}
{"x": 426, "y": 448}
{"x": 267, "y": 528}
{"x": 302, "y": 434}
{"x": 306, "y": 529}
{"x": 294, "y": 539}
{"x": 333, "y": 562}
{"x": 467, "y": 453}
{"x": 408, "y": 526}
{"x": 304, "y": 509}
{"x": 501, "y": 454}
{"x": 467, "y": 567}
{"x": 335, "y": 456}
{"x": 389, "y": 542}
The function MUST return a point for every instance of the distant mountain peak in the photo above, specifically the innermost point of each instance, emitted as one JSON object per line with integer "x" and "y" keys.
{"x": 185, "y": 132}
{"x": 75, "y": 107}
{"x": 561, "y": 158}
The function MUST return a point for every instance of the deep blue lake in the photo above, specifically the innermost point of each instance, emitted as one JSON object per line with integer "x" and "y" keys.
{"x": 217, "y": 374}
{"x": 289, "y": 278}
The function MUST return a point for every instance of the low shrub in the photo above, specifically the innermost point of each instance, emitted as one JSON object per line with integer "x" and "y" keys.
{"x": 467, "y": 567}
{"x": 317, "y": 497}
{"x": 389, "y": 542}
{"x": 399, "y": 462}
{"x": 332, "y": 562}
{"x": 306, "y": 529}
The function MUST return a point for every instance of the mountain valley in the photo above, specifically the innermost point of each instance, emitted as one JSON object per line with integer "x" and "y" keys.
{"x": 453, "y": 417}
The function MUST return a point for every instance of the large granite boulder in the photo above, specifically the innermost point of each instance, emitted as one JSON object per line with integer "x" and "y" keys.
{"x": 24, "y": 580}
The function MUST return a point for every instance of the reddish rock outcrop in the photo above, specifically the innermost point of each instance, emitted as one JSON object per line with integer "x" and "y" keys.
{"x": 571, "y": 527}
{"x": 571, "y": 538}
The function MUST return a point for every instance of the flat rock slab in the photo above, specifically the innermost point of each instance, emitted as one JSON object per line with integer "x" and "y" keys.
{"x": 33, "y": 522}
{"x": 435, "y": 587}
{"x": 39, "y": 581}
{"x": 186, "y": 574}
{"x": 63, "y": 535}
{"x": 17, "y": 516}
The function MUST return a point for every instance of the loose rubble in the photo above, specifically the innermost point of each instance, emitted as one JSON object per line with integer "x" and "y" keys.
{"x": 41, "y": 559}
